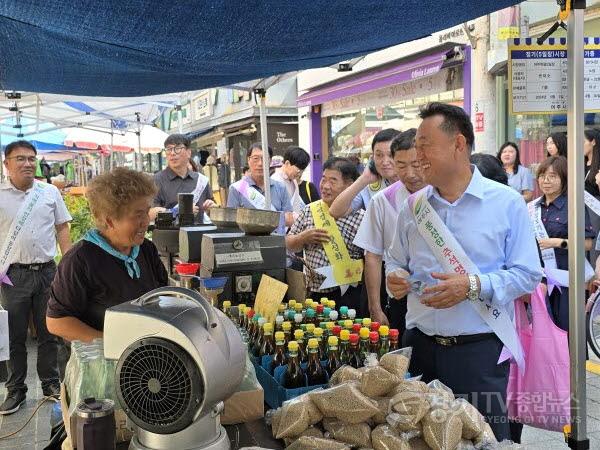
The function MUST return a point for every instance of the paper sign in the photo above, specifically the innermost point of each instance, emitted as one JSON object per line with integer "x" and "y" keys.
{"x": 269, "y": 296}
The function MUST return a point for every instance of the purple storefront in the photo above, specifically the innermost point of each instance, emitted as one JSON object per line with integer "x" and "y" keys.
{"x": 345, "y": 114}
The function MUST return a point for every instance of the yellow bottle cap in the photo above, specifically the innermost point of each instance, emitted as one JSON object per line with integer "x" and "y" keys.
{"x": 366, "y": 322}
{"x": 330, "y": 325}
{"x": 308, "y": 300}
{"x": 344, "y": 335}
{"x": 332, "y": 304}
{"x": 242, "y": 306}
{"x": 268, "y": 327}
{"x": 332, "y": 341}
{"x": 348, "y": 324}
{"x": 310, "y": 327}
{"x": 299, "y": 334}
{"x": 384, "y": 330}
{"x": 287, "y": 326}
{"x": 226, "y": 304}
{"x": 281, "y": 307}
{"x": 279, "y": 336}
{"x": 298, "y": 307}
{"x": 291, "y": 303}
{"x": 324, "y": 301}
{"x": 313, "y": 343}
{"x": 317, "y": 332}
{"x": 364, "y": 333}
{"x": 293, "y": 346}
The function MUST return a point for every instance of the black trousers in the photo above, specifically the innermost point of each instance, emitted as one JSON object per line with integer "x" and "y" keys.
{"x": 29, "y": 295}
{"x": 470, "y": 370}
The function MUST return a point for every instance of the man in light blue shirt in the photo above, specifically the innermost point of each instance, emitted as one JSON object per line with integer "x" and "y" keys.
{"x": 450, "y": 340}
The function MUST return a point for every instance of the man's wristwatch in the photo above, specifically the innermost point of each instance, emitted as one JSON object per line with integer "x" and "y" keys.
{"x": 473, "y": 292}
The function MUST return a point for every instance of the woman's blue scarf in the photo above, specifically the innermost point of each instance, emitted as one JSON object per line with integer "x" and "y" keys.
{"x": 133, "y": 269}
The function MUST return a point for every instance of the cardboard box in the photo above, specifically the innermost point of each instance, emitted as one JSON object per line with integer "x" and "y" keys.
{"x": 244, "y": 406}
{"x": 123, "y": 434}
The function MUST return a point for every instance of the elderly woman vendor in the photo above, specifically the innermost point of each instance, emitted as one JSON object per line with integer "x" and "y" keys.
{"x": 112, "y": 264}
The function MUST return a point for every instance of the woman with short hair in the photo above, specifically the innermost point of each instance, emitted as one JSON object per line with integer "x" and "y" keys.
{"x": 113, "y": 263}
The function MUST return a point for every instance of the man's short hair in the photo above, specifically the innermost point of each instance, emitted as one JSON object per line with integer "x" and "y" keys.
{"x": 403, "y": 141}
{"x": 344, "y": 166}
{"x": 258, "y": 145}
{"x": 456, "y": 120}
{"x": 177, "y": 139}
{"x": 18, "y": 144}
{"x": 386, "y": 135}
{"x": 297, "y": 156}
{"x": 490, "y": 167}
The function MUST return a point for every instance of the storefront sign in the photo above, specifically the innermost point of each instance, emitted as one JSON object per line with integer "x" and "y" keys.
{"x": 281, "y": 136}
{"x": 202, "y": 106}
{"x": 423, "y": 82}
{"x": 538, "y": 76}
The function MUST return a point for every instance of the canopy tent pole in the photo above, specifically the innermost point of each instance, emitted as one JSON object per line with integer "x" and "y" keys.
{"x": 575, "y": 115}
{"x": 179, "y": 119}
{"x": 1, "y": 158}
{"x": 112, "y": 151}
{"x": 139, "y": 164}
{"x": 262, "y": 94}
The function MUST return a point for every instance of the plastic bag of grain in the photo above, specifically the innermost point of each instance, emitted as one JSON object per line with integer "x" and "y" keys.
{"x": 385, "y": 438}
{"x": 411, "y": 407}
{"x": 397, "y": 362}
{"x": 343, "y": 374}
{"x": 473, "y": 422}
{"x": 295, "y": 417}
{"x": 314, "y": 414}
{"x": 442, "y": 429}
{"x": 465, "y": 444}
{"x": 418, "y": 444}
{"x": 344, "y": 402}
{"x": 410, "y": 386}
{"x": 383, "y": 404}
{"x": 439, "y": 388}
{"x": 310, "y": 431}
{"x": 315, "y": 443}
{"x": 358, "y": 434}
{"x": 401, "y": 424}
{"x": 486, "y": 438}
{"x": 273, "y": 417}
{"x": 377, "y": 381}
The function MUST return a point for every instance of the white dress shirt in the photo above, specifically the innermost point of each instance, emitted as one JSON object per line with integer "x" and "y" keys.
{"x": 37, "y": 243}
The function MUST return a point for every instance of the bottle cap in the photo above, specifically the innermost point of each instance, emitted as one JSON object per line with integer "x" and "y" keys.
{"x": 354, "y": 338}
{"x": 331, "y": 304}
{"x": 344, "y": 335}
{"x": 336, "y": 330}
{"x": 261, "y": 321}
{"x": 298, "y": 307}
{"x": 242, "y": 306}
{"x": 366, "y": 322}
{"x": 333, "y": 315}
{"x": 326, "y": 311}
{"x": 310, "y": 327}
{"x": 268, "y": 327}
{"x": 375, "y": 326}
{"x": 348, "y": 324}
{"x": 250, "y": 313}
{"x": 291, "y": 313}
{"x": 351, "y": 314}
{"x": 323, "y": 325}
{"x": 309, "y": 300}
{"x": 344, "y": 310}
{"x": 298, "y": 334}
{"x": 374, "y": 336}
{"x": 384, "y": 330}
{"x": 255, "y": 318}
{"x": 313, "y": 343}
{"x": 320, "y": 309}
{"x": 359, "y": 321}
{"x": 279, "y": 336}
{"x": 279, "y": 320}
{"x": 310, "y": 313}
{"x": 318, "y": 332}
{"x": 324, "y": 300}
{"x": 330, "y": 325}
{"x": 291, "y": 303}
{"x": 293, "y": 346}
{"x": 364, "y": 333}
{"x": 226, "y": 304}
{"x": 394, "y": 332}
{"x": 356, "y": 328}
{"x": 281, "y": 308}
{"x": 298, "y": 318}
{"x": 332, "y": 341}
{"x": 287, "y": 326}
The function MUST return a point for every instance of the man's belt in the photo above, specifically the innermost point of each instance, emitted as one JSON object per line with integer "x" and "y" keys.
{"x": 34, "y": 266}
{"x": 451, "y": 341}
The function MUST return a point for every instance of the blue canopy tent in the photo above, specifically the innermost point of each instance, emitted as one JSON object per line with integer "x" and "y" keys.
{"x": 116, "y": 48}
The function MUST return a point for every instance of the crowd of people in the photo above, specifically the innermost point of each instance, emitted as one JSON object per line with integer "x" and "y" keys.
{"x": 430, "y": 239}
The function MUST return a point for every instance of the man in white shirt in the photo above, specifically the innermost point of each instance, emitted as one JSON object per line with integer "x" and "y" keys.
{"x": 376, "y": 231}
{"x": 295, "y": 161}
{"x": 27, "y": 268}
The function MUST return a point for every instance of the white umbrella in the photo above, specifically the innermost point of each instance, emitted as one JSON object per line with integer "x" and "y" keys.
{"x": 151, "y": 140}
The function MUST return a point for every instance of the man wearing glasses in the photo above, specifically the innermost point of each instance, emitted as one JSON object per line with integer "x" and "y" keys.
{"x": 178, "y": 179}
{"x": 249, "y": 191}
{"x": 33, "y": 217}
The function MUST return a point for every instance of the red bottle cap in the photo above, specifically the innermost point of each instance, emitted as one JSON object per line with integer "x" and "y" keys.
{"x": 250, "y": 313}
{"x": 374, "y": 336}
{"x": 394, "y": 333}
{"x": 336, "y": 330}
{"x": 187, "y": 268}
{"x": 375, "y": 326}
{"x": 320, "y": 309}
{"x": 356, "y": 328}
{"x": 354, "y": 338}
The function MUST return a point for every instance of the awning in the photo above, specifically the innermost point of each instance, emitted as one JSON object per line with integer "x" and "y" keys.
{"x": 143, "y": 47}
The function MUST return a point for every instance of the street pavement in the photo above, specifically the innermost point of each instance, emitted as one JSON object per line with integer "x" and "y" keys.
{"x": 36, "y": 434}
